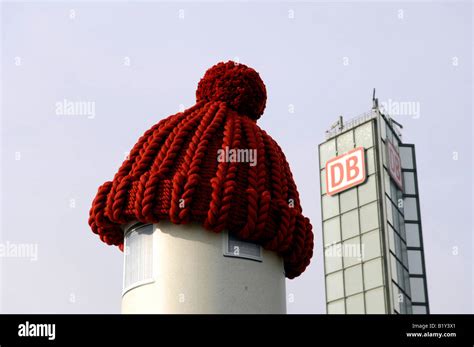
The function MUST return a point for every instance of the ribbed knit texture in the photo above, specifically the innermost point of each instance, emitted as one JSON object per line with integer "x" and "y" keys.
{"x": 173, "y": 173}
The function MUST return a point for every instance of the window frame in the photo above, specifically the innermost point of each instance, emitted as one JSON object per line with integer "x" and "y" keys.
{"x": 127, "y": 230}
{"x": 227, "y": 253}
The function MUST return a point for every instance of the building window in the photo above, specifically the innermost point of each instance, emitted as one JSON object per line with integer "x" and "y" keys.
{"x": 389, "y": 210}
{"x": 398, "y": 298}
{"x": 414, "y": 262}
{"x": 355, "y": 304}
{"x": 404, "y": 254}
{"x": 363, "y": 135}
{"x": 351, "y": 252}
{"x": 323, "y": 181}
{"x": 404, "y": 303}
{"x": 389, "y": 133}
{"x": 408, "y": 306}
{"x": 375, "y": 301}
{"x": 345, "y": 142}
{"x": 409, "y": 183}
{"x": 333, "y": 258}
{"x": 398, "y": 201}
{"x": 330, "y": 206}
{"x": 336, "y": 307}
{"x": 413, "y": 235}
{"x": 332, "y": 231}
{"x": 402, "y": 228}
{"x": 393, "y": 267}
{"x": 373, "y": 273}
{"x": 391, "y": 238}
{"x": 350, "y": 224}
{"x": 393, "y": 192}
{"x": 368, "y": 191}
{"x": 417, "y": 289}
{"x": 353, "y": 280}
{"x": 371, "y": 245}
{"x": 334, "y": 286}
{"x": 396, "y": 219}
{"x": 348, "y": 200}
{"x": 383, "y": 151}
{"x": 369, "y": 217}
{"x": 233, "y": 247}
{"x": 383, "y": 129}
{"x": 401, "y": 302}
{"x": 419, "y": 309}
{"x": 370, "y": 161}
{"x": 138, "y": 256}
{"x": 327, "y": 151}
{"x": 406, "y": 279}
{"x": 386, "y": 180}
{"x": 398, "y": 246}
{"x": 400, "y": 274}
{"x": 406, "y": 157}
{"x": 410, "y": 209}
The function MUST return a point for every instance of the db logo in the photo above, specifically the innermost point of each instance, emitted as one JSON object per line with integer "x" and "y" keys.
{"x": 395, "y": 166}
{"x": 345, "y": 171}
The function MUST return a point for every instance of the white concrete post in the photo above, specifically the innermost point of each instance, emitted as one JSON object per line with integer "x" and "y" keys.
{"x": 192, "y": 275}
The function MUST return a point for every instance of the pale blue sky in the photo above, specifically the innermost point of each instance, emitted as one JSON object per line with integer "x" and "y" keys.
{"x": 301, "y": 61}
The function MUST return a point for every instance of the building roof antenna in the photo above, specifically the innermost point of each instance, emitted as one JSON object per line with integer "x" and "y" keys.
{"x": 375, "y": 101}
{"x": 393, "y": 121}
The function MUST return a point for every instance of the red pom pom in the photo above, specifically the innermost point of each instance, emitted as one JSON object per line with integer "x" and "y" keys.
{"x": 236, "y": 84}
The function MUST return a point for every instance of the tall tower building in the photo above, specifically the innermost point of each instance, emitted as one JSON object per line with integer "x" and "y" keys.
{"x": 372, "y": 232}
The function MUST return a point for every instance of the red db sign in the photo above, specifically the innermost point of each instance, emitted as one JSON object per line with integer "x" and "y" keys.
{"x": 345, "y": 171}
{"x": 394, "y": 165}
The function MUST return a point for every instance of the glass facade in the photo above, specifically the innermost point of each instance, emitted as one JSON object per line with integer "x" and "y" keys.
{"x": 413, "y": 232}
{"x": 373, "y": 248}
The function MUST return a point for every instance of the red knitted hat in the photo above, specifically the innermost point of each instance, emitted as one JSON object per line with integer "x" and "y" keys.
{"x": 186, "y": 169}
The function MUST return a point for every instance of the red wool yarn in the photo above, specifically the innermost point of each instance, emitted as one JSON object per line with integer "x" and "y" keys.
{"x": 173, "y": 173}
